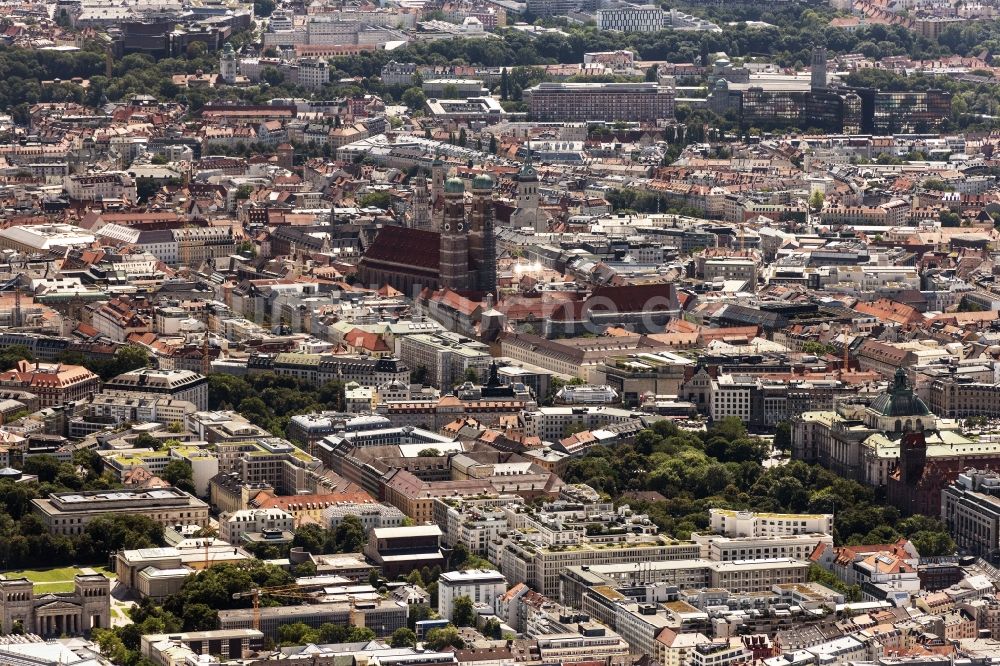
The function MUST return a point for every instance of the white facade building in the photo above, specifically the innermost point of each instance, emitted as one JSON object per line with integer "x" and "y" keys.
{"x": 730, "y": 396}
{"x": 233, "y": 526}
{"x": 481, "y": 586}
{"x": 93, "y": 187}
{"x": 748, "y": 524}
{"x": 587, "y": 394}
{"x": 632, "y": 18}
{"x": 371, "y": 514}
{"x": 313, "y": 73}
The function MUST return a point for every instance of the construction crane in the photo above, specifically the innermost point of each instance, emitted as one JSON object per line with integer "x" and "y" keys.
{"x": 206, "y": 362}
{"x": 847, "y": 352}
{"x": 279, "y": 592}
{"x": 184, "y": 247}
{"x": 14, "y": 284}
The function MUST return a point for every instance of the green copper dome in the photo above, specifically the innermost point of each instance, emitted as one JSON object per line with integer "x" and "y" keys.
{"x": 900, "y": 400}
{"x": 527, "y": 174}
{"x": 454, "y": 186}
{"x": 482, "y": 182}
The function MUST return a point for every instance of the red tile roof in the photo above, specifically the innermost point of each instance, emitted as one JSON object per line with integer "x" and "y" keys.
{"x": 407, "y": 247}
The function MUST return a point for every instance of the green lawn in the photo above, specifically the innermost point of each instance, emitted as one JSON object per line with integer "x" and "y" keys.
{"x": 53, "y": 580}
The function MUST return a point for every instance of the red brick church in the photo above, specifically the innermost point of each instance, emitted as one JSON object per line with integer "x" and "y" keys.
{"x": 460, "y": 255}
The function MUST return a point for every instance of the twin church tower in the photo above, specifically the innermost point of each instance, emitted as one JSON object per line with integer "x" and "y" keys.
{"x": 446, "y": 244}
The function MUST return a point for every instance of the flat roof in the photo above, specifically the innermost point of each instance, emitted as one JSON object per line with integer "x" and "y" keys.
{"x": 471, "y": 575}
{"x": 408, "y": 531}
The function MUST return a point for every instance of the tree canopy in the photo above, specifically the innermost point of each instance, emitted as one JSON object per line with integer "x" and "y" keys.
{"x": 269, "y": 400}
{"x": 211, "y": 590}
{"x": 25, "y": 542}
{"x": 722, "y": 468}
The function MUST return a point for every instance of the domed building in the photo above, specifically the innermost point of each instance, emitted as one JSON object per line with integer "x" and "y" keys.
{"x": 459, "y": 255}
{"x": 899, "y": 409}
{"x": 860, "y": 438}
{"x": 894, "y": 443}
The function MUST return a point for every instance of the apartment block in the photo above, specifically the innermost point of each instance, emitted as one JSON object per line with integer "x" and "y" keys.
{"x": 732, "y": 523}
{"x": 482, "y": 586}
{"x": 727, "y": 549}
{"x": 234, "y": 526}
{"x": 610, "y": 102}
{"x": 446, "y": 357}
{"x": 175, "y": 384}
{"x": 970, "y": 508}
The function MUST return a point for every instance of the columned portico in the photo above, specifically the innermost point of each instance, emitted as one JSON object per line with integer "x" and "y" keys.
{"x": 58, "y": 622}
{"x": 53, "y": 615}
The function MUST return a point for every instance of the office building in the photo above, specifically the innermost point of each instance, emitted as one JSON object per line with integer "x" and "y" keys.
{"x": 970, "y": 508}
{"x": 587, "y": 394}
{"x": 204, "y": 463}
{"x": 540, "y": 566}
{"x": 447, "y": 358}
{"x": 632, "y": 18}
{"x": 96, "y": 187}
{"x": 557, "y": 7}
{"x": 400, "y": 550}
{"x": 911, "y": 112}
{"x": 476, "y": 522}
{"x": 481, "y": 586}
{"x": 738, "y": 577}
{"x": 158, "y": 573}
{"x": 610, "y": 102}
{"x": 382, "y": 616}
{"x": 959, "y": 398}
{"x": 175, "y": 384}
{"x": 720, "y": 653}
{"x": 189, "y": 646}
{"x": 728, "y": 549}
{"x": 730, "y": 523}
{"x": 372, "y": 515}
{"x": 324, "y": 368}
{"x": 233, "y": 527}
{"x": 308, "y": 429}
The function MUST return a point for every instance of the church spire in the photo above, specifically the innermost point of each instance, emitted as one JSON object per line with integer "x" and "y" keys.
{"x": 421, "y": 217}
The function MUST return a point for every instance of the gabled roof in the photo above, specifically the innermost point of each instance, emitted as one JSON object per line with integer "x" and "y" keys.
{"x": 406, "y": 247}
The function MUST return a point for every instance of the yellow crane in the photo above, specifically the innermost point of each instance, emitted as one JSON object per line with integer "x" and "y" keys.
{"x": 279, "y": 592}
{"x": 845, "y": 368}
{"x": 14, "y": 284}
{"x": 206, "y": 362}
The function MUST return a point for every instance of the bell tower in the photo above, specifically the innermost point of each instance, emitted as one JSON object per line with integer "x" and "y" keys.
{"x": 526, "y": 213}
{"x": 437, "y": 189}
{"x": 482, "y": 241}
{"x": 454, "y": 253}
{"x": 817, "y": 73}
{"x": 421, "y": 217}
{"x": 227, "y": 64}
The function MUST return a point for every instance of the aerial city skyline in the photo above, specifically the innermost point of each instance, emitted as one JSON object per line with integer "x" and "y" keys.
{"x": 499, "y": 333}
